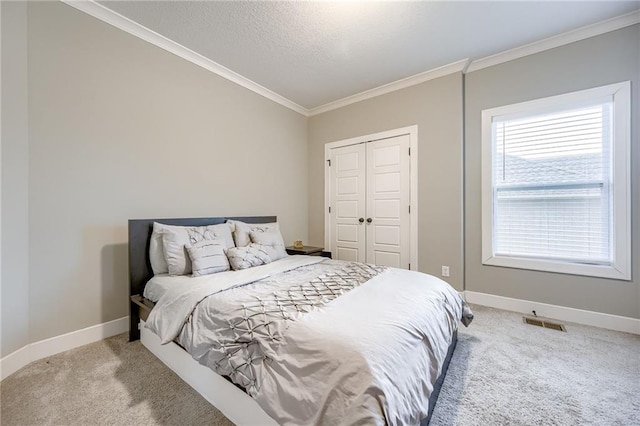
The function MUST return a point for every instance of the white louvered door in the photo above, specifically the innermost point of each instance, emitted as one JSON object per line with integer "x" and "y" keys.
{"x": 370, "y": 198}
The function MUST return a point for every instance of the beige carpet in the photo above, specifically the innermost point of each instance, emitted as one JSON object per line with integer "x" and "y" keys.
{"x": 112, "y": 382}
{"x": 505, "y": 372}
{"x": 502, "y": 373}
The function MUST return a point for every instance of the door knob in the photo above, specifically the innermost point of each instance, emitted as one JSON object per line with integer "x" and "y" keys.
{"x": 361, "y": 220}
{"x": 369, "y": 220}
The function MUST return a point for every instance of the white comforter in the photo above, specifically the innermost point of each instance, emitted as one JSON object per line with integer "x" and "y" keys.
{"x": 307, "y": 356}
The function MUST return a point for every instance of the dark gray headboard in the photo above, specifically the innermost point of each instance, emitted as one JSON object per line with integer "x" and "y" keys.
{"x": 140, "y": 234}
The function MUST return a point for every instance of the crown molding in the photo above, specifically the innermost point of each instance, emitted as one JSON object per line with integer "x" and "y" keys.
{"x": 104, "y": 14}
{"x": 578, "y": 34}
{"x": 454, "y": 67}
{"x": 107, "y": 15}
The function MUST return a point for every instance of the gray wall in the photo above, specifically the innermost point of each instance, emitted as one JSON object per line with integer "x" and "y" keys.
{"x": 601, "y": 60}
{"x": 436, "y": 107}
{"x": 108, "y": 127}
{"x": 15, "y": 226}
{"x": 121, "y": 129}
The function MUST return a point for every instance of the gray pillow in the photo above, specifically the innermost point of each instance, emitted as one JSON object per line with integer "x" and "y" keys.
{"x": 208, "y": 257}
{"x": 248, "y": 256}
{"x": 241, "y": 230}
{"x": 272, "y": 238}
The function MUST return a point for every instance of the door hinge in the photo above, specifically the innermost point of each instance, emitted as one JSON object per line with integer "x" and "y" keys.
{"x": 329, "y": 209}
{"x": 409, "y": 152}
{"x": 409, "y": 266}
{"x": 409, "y": 209}
{"x": 329, "y": 161}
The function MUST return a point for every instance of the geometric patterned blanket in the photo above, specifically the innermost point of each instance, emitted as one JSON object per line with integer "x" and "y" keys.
{"x": 243, "y": 345}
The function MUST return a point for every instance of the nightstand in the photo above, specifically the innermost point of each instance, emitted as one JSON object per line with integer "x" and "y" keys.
{"x": 309, "y": 251}
{"x": 139, "y": 310}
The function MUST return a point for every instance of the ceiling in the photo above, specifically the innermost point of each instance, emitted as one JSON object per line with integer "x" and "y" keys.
{"x": 316, "y": 52}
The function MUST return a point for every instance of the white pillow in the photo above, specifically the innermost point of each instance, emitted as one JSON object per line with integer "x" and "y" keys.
{"x": 156, "y": 251}
{"x": 175, "y": 238}
{"x": 208, "y": 257}
{"x": 271, "y": 238}
{"x": 248, "y": 256}
{"x": 241, "y": 230}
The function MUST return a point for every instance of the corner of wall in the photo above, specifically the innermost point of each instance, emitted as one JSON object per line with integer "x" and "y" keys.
{"x": 14, "y": 284}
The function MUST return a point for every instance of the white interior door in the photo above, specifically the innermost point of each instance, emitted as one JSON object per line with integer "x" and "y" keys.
{"x": 370, "y": 198}
{"x": 388, "y": 198}
{"x": 348, "y": 203}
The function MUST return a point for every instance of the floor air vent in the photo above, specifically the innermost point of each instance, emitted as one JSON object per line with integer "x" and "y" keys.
{"x": 544, "y": 323}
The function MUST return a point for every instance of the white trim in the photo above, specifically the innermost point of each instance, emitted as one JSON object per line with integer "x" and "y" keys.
{"x": 235, "y": 404}
{"x": 14, "y": 361}
{"x": 600, "y": 271}
{"x": 107, "y": 15}
{"x": 620, "y": 269}
{"x": 563, "y": 313}
{"x": 74, "y": 339}
{"x": 44, "y": 348}
{"x": 413, "y": 80}
{"x": 412, "y": 131}
{"x": 578, "y": 34}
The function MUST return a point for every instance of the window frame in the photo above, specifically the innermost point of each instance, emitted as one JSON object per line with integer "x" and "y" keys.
{"x": 620, "y": 267}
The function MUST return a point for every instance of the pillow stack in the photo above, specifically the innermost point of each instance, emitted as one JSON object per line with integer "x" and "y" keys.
{"x": 203, "y": 250}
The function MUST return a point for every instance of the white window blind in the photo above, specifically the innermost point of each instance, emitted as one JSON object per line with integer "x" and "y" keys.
{"x": 552, "y": 185}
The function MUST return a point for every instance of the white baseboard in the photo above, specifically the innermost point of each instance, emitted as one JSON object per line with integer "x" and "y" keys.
{"x": 44, "y": 348}
{"x": 14, "y": 361}
{"x": 563, "y": 313}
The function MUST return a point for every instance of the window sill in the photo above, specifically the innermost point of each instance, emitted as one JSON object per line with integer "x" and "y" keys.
{"x": 599, "y": 271}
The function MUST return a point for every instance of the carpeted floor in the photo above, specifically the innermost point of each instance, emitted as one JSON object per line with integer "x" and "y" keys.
{"x": 502, "y": 373}
{"x": 505, "y": 372}
{"x": 111, "y": 382}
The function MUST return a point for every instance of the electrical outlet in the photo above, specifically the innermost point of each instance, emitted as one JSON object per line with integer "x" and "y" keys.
{"x": 445, "y": 271}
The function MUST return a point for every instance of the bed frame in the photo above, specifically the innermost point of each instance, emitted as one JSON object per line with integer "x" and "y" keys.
{"x": 235, "y": 404}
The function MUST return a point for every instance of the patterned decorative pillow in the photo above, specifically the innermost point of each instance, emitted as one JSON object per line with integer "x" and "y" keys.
{"x": 248, "y": 256}
{"x": 175, "y": 238}
{"x": 272, "y": 238}
{"x": 241, "y": 230}
{"x": 208, "y": 257}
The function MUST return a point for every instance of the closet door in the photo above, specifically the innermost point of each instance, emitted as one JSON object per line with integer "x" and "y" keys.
{"x": 388, "y": 198}
{"x": 348, "y": 176}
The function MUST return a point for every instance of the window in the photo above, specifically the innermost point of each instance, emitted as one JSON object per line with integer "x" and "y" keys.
{"x": 555, "y": 184}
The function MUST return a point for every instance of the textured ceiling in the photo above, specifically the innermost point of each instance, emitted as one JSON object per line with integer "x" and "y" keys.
{"x": 313, "y": 53}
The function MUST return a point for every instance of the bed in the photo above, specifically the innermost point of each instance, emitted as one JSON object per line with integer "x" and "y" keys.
{"x": 301, "y": 337}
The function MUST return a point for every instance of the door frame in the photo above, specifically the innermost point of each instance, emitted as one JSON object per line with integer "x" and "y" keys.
{"x": 412, "y": 131}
